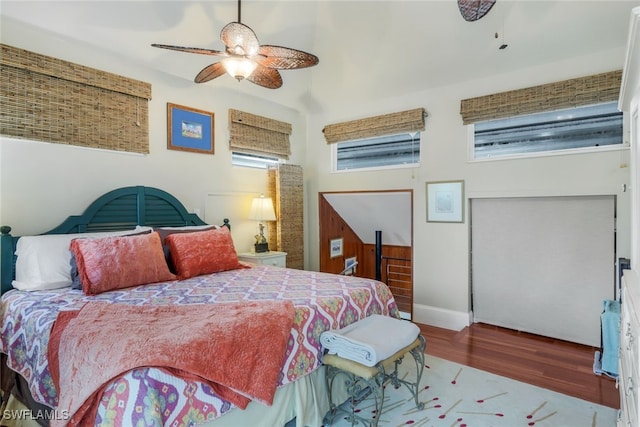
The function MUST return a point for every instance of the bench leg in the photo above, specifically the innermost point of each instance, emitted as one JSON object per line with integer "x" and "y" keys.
{"x": 418, "y": 357}
{"x": 358, "y": 389}
{"x": 414, "y": 387}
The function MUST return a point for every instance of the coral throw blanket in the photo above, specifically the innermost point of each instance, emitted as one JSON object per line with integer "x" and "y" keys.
{"x": 238, "y": 348}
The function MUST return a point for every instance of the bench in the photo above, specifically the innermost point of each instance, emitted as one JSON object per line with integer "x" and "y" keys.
{"x": 362, "y": 381}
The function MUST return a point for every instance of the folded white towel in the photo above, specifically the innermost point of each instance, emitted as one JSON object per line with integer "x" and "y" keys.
{"x": 370, "y": 340}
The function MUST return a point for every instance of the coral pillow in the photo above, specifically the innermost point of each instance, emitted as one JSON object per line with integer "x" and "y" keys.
{"x": 75, "y": 275}
{"x": 202, "y": 252}
{"x": 43, "y": 261}
{"x": 120, "y": 262}
{"x": 165, "y": 231}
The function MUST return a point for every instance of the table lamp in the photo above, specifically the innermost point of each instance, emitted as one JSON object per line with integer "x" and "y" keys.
{"x": 262, "y": 210}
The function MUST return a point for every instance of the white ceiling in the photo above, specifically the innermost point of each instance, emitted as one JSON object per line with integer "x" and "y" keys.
{"x": 382, "y": 48}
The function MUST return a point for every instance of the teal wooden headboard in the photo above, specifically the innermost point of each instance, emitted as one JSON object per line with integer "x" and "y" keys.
{"x": 119, "y": 209}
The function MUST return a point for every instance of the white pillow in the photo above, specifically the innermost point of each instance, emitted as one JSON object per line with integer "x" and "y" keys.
{"x": 44, "y": 261}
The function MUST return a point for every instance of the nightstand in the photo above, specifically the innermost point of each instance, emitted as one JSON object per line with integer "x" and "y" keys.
{"x": 278, "y": 259}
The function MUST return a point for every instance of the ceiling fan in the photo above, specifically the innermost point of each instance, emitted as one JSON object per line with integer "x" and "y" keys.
{"x": 472, "y": 10}
{"x": 245, "y": 58}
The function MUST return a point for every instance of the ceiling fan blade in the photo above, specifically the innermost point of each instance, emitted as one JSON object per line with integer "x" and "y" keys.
{"x": 210, "y": 72}
{"x": 266, "y": 77}
{"x": 472, "y": 10}
{"x": 285, "y": 58}
{"x": 198, "y": 50}
{"x": 239, "y": 39}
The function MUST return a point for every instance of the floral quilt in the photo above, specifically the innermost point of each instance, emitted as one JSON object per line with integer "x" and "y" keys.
{"x": 151, "y": 396}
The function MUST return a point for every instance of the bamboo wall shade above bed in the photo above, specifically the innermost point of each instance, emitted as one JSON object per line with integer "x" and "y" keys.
{"x": 48, "y": 99}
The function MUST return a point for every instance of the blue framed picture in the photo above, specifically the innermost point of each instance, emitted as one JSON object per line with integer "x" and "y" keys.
{"x": 189, "y": 129}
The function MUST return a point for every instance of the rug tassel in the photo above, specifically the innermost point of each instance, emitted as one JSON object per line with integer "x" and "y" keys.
{"x": 543, "y": 418}
{"x": 455, "y": 379}
{"x": 491, "y": 397}
{"x": 450, "y": 409}
{"x": 536, "y": 410}
{"x": 418, "y": 423}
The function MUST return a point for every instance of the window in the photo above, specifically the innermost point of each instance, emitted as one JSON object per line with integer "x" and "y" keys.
{"x": 582, "y": 127}
{"x": 388, "y": 140}
{"x": 253, "y": 160}
{"x": 383, "y": 151}
{"x": 257, "y": 141}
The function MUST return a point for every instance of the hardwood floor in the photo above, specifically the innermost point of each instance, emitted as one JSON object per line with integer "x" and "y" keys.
{"x": 546, "y": 362}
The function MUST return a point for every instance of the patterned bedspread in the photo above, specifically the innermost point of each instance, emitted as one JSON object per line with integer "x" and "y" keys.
{"x": 151, "y": 396}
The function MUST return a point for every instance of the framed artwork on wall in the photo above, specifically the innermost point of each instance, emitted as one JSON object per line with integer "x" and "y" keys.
{"x": 189, "y": 129}
{"x": 335, "y": 247}
{"x": 445, "y": 201}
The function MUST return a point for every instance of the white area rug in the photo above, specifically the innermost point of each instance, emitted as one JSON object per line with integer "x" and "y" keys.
{"x": 459, "y": 396}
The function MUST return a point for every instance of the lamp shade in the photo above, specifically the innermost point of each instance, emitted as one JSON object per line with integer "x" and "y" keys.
{"x": 262, "y": 209}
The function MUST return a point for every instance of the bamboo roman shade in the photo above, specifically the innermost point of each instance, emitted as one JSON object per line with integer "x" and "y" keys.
{"x": 387, "y": 124}
{"x": 47, "y": 99}
{"x": 578, "y": 92}
{"x": 254, "y": 134}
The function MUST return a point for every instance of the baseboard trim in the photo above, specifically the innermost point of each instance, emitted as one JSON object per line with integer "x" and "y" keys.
{"x": 441, "y": 318}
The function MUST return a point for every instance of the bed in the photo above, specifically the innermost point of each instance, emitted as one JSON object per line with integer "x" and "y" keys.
{"x": 50, "y": 331}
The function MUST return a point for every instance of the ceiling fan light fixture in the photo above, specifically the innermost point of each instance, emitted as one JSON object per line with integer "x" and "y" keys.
{"x": 245, "y": 58}
{"x": 238, "y": 67}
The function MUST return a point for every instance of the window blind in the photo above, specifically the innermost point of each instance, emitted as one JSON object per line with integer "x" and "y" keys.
{"x": 589, "y": 90}
{"x": 250, "y": 133}
{"x": 387, "y": 124}
{"x": 48, "y": 99}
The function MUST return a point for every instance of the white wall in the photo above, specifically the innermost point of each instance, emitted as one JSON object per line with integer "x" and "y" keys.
{"x": 42, "y": 183}
{"x": 441, "y": 251}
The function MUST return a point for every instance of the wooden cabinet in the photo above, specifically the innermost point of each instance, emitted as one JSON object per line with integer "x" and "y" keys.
{"x": 277, "y": 259}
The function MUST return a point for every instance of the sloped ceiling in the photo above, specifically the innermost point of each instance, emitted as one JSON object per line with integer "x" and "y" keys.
{"x": 368, "y": 212}
{"x": 367, "y": 49}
